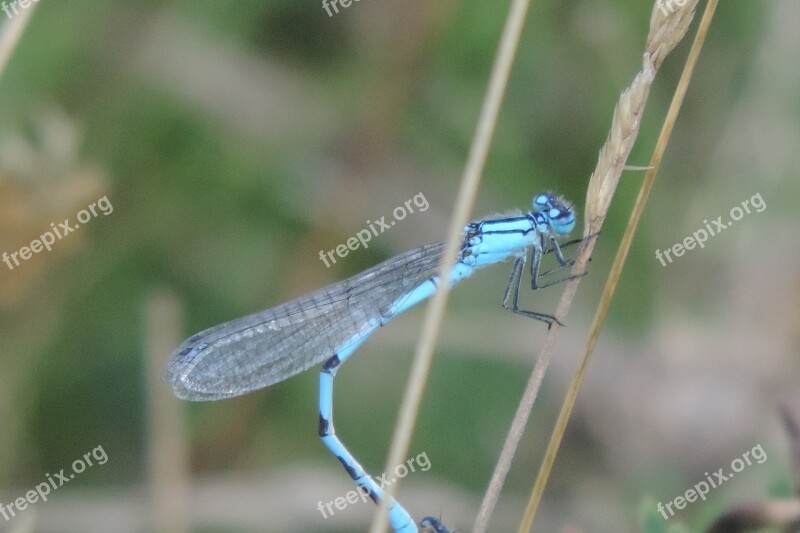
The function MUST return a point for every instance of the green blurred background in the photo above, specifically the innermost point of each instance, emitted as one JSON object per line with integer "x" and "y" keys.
{"x": 236, "y": 140}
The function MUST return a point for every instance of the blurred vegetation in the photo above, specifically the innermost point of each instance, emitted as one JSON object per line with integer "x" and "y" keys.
{"x": 236, "y": 140}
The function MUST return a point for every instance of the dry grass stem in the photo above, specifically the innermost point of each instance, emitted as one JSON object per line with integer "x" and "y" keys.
{"x": 659, "y": 44}
{"x": 665, "y": 33}
{"x": 10, "y": 35}
{"x": 168, "y": 458}
{"x": 465, "y": 199}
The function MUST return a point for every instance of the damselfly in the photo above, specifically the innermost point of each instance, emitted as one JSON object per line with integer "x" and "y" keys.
{"x": 326, "y": 327}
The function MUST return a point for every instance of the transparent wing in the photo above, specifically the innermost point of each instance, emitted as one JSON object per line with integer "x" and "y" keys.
{"x": 258, "y": 350}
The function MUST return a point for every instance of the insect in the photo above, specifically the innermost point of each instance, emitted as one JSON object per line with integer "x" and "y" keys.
{"x": 327, "y": 326}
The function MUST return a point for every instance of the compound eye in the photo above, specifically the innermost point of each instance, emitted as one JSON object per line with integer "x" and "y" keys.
{"x": 562, "y": 221}
{"x": 541, "y": 202}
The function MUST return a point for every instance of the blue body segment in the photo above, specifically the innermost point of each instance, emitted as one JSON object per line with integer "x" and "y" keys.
{"x": 328, "y": 326}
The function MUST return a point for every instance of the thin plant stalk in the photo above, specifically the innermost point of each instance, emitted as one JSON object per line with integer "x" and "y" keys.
{"x": 498, "y": 81}
{"x": 666, "y": 31}
{"x": 11, "y": 33}
{"x": 616, "y": 269}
